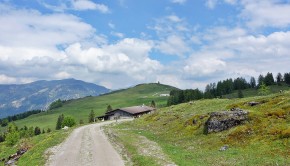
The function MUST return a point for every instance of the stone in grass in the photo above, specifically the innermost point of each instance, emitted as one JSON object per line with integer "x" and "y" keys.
{"x": 219, "y": 121}
{"x": 253, "y": 103}
{"x": 224, "y": 148}
{"x": 65, "y": 128}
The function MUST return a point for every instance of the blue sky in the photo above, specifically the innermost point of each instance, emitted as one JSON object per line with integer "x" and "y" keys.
{"x": 120, "y": 43}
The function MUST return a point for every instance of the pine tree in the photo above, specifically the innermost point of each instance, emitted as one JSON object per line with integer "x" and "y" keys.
{"x": 264, "y": 90}
{"x": 269, "y": 79}
{"x": 260, "y": 80}
{"x": 59, "y": 122}
{"x": 253, "y": 82}
{"x": 279, "y": 77}
{"x": 287, "y": 78}
{"x": 153, "y": 104}
{"x": 92, "y": 116}
{"x": 109, "y": 108}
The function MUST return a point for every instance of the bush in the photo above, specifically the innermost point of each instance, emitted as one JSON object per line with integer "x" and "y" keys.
{"x": 68, "y": 121}
{"x": 2, "y": 138}
{"x": 48, "y": 130}
{"x": 30, "y": 132}
{"x": 81, "y": 122}
{"x": 37, "y": 131}
{"x": 4, "y": 122}
{"x": 12, "y": 138}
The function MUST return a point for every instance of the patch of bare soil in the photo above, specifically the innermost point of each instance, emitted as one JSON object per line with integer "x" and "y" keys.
{"x": 150, "y": 148}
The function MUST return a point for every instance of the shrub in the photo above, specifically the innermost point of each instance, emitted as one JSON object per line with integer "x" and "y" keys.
{"x": 12, "y": 138}
{"x": 264, "y": 89}
{"x": 48, "y": 130}
{"x": 2, "y": 138}
{"x": 81, "y": 122}
{"x": 68, "y": 121}
{"x": 37, "y": 131}
{"x": 4, "y": 123}
{"x": 30, "y": 132}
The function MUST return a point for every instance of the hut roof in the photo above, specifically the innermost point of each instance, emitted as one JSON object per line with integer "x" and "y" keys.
{"x": 134, "y": 110}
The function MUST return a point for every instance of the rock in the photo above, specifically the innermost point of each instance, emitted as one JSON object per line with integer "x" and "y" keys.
{"x": 14, "y": 157}
{"x": 21, "y": 151}
{"x": 10, "y": 162}
{"x": 253, "y": 103}
{"x": 219, "y": 121}
{"x": 223, "y": 148}
{"x": 65, "y": 128}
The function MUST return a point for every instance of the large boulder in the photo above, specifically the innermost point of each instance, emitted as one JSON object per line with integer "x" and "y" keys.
{"x": 219, "y": 121}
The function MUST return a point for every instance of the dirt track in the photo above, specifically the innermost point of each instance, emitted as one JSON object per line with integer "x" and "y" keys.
{"x": 87, "y": 145}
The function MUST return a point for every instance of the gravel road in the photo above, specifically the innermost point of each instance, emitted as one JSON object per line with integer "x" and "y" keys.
{"x": 86, "y": 146}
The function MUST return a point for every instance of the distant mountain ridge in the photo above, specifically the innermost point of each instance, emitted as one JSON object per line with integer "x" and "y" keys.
{"x": 16, "y": 98}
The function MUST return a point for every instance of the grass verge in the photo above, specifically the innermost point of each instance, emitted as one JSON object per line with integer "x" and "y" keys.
{"x": 37, "y": 147}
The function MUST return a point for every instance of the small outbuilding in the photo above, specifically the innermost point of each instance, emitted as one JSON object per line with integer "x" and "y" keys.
{"x": 127, "y": 112}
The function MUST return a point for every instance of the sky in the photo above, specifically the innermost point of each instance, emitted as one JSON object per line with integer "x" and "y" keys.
{"x": 121, "y": 43}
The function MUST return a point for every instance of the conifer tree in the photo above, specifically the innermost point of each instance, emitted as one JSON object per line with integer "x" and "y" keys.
{"x": 59, "y": 122}
{"x": 269, "y": 79}
{"x": 264, "y": 90}
{"x": 153, "y": 104}
{"x": 253, "y": 82}
{"x": 260, "y": 80}
{"x": 92, "y": 116}
{"x": 109, "y": 108}
{"x": 287, "y": 78}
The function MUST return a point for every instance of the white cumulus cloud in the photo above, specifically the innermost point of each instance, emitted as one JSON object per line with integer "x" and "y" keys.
{"x": 178, "y": 1}
{"x": 173, "y": 45}
{"x": 266, "y": 13}
{"x": 79, "y": 5}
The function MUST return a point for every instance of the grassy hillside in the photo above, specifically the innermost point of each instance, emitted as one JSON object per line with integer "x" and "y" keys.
{"x": 79, "y": 109}
{"x": 263, "y": 140}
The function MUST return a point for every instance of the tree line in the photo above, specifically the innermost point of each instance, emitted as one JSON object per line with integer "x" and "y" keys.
{"x": 225, "y": 87}
{"x": 56, "y": 104}
{"x": 4, "y": 122}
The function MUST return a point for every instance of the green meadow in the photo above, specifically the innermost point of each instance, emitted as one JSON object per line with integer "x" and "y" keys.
{"x": 262, "y": 140}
